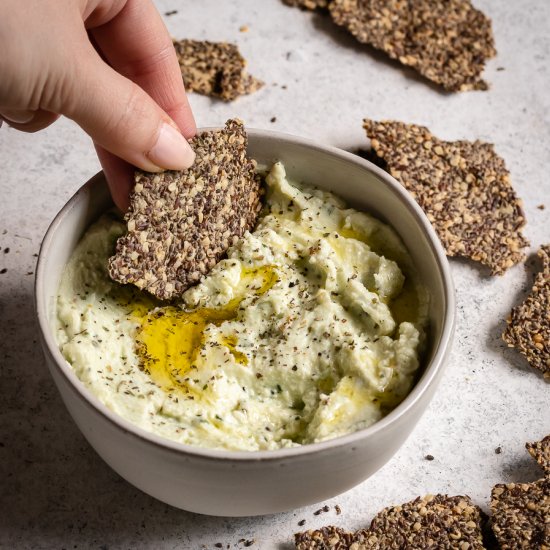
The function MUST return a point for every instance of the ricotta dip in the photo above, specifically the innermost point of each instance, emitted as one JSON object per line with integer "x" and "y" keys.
{"x": 310, "y": 329}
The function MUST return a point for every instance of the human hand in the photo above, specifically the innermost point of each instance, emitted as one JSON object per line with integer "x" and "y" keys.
{"x": 110, "y": 66}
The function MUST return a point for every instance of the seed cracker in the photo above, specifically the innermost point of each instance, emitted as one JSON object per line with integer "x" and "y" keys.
{"x": 528, "y": 327}
{"x": 433, "y": 521}
{"x": 429, "y": 522}
{"x": 463, "y": 187}
{"x": 180, "y": 223}
{"x": 540, "y": 451}
{"x": 447, "y": 42}
{"x": 325, "y": 538}
{"x": 521, "y": 515}
{"x": 308, "y": 4}
{"x": 215, "y": 69}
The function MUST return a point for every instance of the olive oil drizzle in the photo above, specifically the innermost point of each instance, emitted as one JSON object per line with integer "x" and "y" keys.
{"x": 169, "y": 339}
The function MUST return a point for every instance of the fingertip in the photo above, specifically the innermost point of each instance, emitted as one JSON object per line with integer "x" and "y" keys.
{"x": 171, "y": 150}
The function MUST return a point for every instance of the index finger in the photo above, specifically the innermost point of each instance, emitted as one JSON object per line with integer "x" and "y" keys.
{"x": 136, "y": 43}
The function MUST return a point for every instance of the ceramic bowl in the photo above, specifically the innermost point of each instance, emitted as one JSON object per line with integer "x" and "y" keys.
{"x": 229, "y": 483}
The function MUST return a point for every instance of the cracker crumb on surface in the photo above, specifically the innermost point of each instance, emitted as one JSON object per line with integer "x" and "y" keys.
{"x": 180, "y": 223}
{"x": 463, "y": 187}
{"x": 528, "y": 328}
{"x": 447, "y": 42}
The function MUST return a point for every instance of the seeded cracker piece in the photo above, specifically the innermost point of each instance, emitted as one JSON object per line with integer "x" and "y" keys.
{"x": 325, "y": 538}
{"x": 521, "y": 515}
{"x": 308, "y": 4}
{"x": 447, "y": 42}
{"x": 463, "y": 187}
{"x": 181, "y": 223}
{"x": 528, "y": 327}
{"x": 215, "y": 69}
{"x": 540, "y": 451}
{"x": 430, "y": 522}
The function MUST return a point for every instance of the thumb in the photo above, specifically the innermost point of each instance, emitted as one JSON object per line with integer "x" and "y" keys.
{"x": 123, "y": 119}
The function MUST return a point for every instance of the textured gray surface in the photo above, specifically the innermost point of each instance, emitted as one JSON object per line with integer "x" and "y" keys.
{"x": 56, "y": 493}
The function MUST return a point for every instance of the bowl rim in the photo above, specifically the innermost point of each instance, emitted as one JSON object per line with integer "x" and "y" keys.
{"x": 429, "y": 376}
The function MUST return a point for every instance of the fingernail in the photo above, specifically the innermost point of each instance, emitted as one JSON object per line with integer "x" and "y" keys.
{"x": 17, "y": 116}
{"x": 171, "y": 151}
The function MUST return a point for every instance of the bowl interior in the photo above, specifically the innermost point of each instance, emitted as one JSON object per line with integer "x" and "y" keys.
{"x": 360, "y": 183}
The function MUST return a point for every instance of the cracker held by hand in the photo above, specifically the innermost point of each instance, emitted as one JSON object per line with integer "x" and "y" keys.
{"x": 180, "y": 224}
{"x": 447, "y": 42}
{"x": 540, "y": 451}
{"x": 215, "y": 69}
{"x": 463, "y": 187}
{"x": 521, "y": 515}
{"x": 528, "y": 327}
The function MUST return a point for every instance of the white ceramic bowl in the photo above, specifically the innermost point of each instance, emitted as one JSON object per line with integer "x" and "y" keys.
{"x": 232, "y": 483}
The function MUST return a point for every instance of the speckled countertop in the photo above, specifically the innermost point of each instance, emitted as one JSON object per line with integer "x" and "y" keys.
{"x": 57, "y": 493}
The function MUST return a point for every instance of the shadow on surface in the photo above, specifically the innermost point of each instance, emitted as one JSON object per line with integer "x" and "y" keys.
{"x": 56, "y": 491}
{"x": 324, "y": 23}
{"x": 524, "y": 470}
